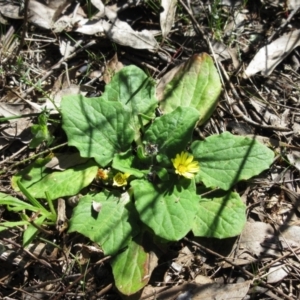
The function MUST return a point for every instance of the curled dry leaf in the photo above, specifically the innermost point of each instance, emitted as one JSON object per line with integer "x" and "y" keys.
{"x": 225, "y": 53}
{"x": 40, "y": 14}
{"x": 268, "y": 57}
{"x": 277, "y": 272}
{"x": 121, "y": 33}
{"x": 11, "y": 11}
{"x": 90, "y": 27}
{"x": 167, "y": 16}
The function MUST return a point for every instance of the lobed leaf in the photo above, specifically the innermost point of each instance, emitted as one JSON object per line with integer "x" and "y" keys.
{"x": 96, "y": 127}
{"x": 112, "y": 227}
{"x": 168, "y": 210}
{"x": 172, "y": 132}
{"x": 226, "y": 159}
{"x": 222, "y": 215}
{"x": 136, "y": 91}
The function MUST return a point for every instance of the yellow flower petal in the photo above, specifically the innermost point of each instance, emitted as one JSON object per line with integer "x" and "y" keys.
{"x": 120, "y": 179}
{"x": 184, "y": 165}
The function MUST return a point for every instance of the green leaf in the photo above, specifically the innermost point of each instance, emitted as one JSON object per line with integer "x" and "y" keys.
{"x": 37, "y": 179}
{"x": 220, "y": 215}
{"x": 195, "y": 84}
{"x": 168, "y": 210}
{"x": 135, "y": 90}
{"x": 112, "y": 227}
{"x": 226, "y": 159}
{"x": 131, "y": 268}
{"x": 128, "y": 163}
{"x": 6, "y": 225}
{"x": 172, "y": 132}
{"x": 31, "y": 199}
{"x": 96, "y": 127}
{"x": 32, "y": 231}
{"x": 41, "y": 132}
{"x": 14, "y": 204}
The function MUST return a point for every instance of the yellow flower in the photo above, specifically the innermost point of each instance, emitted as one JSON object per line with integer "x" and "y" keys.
{"x": 102, "y": 174}
{"x": 184, "y": 165}
{"x": 120, "y": 179}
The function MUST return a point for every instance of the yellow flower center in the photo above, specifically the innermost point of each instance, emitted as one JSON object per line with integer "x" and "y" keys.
{"x": 120, "y": 180}
{"x": 182, "y": 168}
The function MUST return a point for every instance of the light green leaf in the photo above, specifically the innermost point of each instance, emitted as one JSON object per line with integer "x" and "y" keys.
{"x": 172, "y": 132}
{"x": 38, "y": 179}
{"x": 14, "y": 204}
{"x": 96, "y": 127}
{"x": 41, "y": 132}
{"x": 131, "y": 268}
{"x": 135, "y": 90}
{"x": 168, "y": 210}
{"x": 226, "y": 159}
{"x": 195, "y": 84}
{"x": 221, "y": 216}
{"x": 112, "y": 227}
{"x": 6, "y": 225}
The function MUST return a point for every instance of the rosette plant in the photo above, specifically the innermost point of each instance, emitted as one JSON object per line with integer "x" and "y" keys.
{"x": 151, "y": 167}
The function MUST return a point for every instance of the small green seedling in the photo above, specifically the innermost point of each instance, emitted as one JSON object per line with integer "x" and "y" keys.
{"x": 42, "y": 216}
{"x": 41, "y": 131}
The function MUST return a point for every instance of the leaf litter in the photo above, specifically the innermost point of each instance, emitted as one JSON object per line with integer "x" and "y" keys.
{"x": 268, "y": 102}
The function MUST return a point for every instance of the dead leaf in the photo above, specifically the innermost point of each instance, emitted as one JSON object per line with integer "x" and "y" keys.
{"x": 100, "y": 6}
{"x": 294, "y": 158}
{"x": 40, "y": 14}
{"x": 113, "y": 66}
{"x": 268, "y": 117}
{"x": 277, "y": 272}
{"x": 167, "y": 16}
{"x": 187, "y": 291}
{"x": 19, "y": 128}
{"x": 121, "y": 33}
{"x": 259, "y": 240}
{"x": 11, "y": 110}
{"x": 268, "y": 57}
{"x": 11, "y": 11}
{"x": 293, "y": 4}
{"x": 232, "y": 3}
{"x": 225, "y": 53}
{"x": 66, "y": 46}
